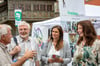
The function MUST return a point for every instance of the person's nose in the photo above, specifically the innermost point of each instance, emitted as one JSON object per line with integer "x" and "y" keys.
{"x": 11, "y": 36}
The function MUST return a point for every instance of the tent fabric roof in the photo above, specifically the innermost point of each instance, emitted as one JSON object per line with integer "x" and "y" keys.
{"x": 50, "y": 21}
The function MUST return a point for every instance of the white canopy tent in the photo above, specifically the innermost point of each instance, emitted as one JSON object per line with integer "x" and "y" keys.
{"x": 49, "y": 22}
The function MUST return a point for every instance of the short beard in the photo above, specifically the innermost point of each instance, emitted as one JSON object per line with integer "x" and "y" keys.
{"x": 24, "y": 36}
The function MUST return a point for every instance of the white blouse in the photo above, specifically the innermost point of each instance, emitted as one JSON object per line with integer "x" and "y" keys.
{"x": 53, "y": 51}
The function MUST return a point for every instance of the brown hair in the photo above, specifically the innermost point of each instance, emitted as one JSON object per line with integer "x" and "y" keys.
{"x": 59, "y": 44}
{"x": 88, "y": 31}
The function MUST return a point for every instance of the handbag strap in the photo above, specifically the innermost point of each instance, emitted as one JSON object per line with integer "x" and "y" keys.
{"x": 15, "y": 40}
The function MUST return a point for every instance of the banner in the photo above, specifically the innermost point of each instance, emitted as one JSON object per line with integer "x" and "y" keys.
{"x": 40, "y": 34}
{"x": 92, "y": 7}
{"x": 71, "y": 7}
{"x": 18, "y": 16}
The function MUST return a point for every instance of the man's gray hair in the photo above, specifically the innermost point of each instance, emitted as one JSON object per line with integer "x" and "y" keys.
{"x": 24, "y": 23}
{"x": 4, "y": 29}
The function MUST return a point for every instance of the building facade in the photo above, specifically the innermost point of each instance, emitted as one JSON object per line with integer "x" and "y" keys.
{"x": 32, "y": 10}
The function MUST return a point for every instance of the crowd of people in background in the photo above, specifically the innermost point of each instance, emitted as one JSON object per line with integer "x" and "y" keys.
{"x": 22, "y": 50}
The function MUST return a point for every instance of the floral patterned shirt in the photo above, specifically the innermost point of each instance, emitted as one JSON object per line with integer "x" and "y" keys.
{"x": 85, "y": 55}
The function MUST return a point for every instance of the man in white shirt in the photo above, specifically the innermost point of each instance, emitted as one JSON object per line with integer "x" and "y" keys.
{"x": 24, "y": 42}
{"x": 5, "y": 39}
